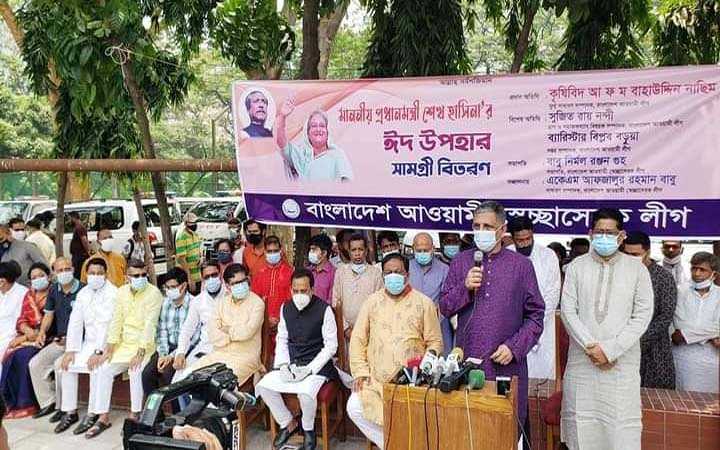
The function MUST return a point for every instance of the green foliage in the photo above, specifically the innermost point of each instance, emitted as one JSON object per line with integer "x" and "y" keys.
{"x": 688, "y": 32}
{"x": 602, "y": 34}
{"x": 416, "y": 38}
{"x": 25, "y": 126}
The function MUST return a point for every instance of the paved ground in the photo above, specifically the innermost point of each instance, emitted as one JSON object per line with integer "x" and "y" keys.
{"x": 37, "y": 434}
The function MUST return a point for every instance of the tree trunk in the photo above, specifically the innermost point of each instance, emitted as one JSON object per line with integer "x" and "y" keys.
{"x": 149, "y": 261}
{"x": 60, "y": 213}
{"x": 524, "y": 37}
{"x": 329, "y": 26}
{"x": 158, "y": 178}
{"x": 311, "y": 50}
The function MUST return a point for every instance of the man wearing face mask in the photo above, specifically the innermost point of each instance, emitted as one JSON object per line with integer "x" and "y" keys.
{"x": 159, "y": 371}
{"x": 58, "y": 307}
{"x": 449, "y": 246}
{"x": 116, "y": 264}
{"x": 189, "y": 250}
{"x": 86, "y": 334}
{"x": 23, "y": 253}
{"x": 541, "y": 359}
{"x": 427, "y": 275}
{"x": 236, "y": 237}
{"x": 696, "y": 327}
{"x": 224, "y": 249}
{"x": 607, "y": 304}
{"x": 130, "y": 342}
{"x": 656, "y": 360}
{"x": 323, "y": 271}
{"x": 254, "y": 254}
{"x": 395, "y": 324}
{"x": 499, "y": 306}
{"x": 306, "y": 343}
{"x": 235, "y": 328}
{"x": 672, "y": 261}
{"x": 134, "y": 248}
{"x": 17, "y": 228}
{"x": 388, "y": 243}
{"x": 198, "y": 321}
{"x": 355, "y": 282}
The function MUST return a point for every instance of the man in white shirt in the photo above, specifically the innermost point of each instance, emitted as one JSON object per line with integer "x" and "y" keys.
{"x": 541, "y": 359}
{"x": 306, "y": 344}
{"x": 86, "y": 339}
{"x": 696, "y": 335}
{"x": 42, "y": 241}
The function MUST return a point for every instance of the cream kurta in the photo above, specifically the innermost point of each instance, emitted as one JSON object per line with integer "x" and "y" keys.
{"x": 698, "y": 319}
{"x": 386, "y": 335}
{"x": 235, "y": 331}
{"x": 134, "y": 323}
{"x": 609, "y": 303}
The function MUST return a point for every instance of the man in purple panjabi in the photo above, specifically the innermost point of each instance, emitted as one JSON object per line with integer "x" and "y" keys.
{"x": 499, "y": 306}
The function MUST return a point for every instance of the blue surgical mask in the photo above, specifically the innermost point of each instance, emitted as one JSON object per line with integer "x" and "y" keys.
{"x": 423, "y": 258}
{"x": 96, "y": 281}
{"x": 40, "y": 284}
{"x": 173, "y": 293}
{"x": 138, "y": 284}
{"x": 605, "y": 244}
{"x": 213, "y": 285}
{"x": 358, "y": 268}
{"x": 65, "y": 278}
{"x": 451, "y": 250}
{"x": 394, "y": 283}
{"x": 313, "y": 257}
{"x": 240, "y": 290}
{"x": 272, "y": 258}
{"x": 485, "y": 240}
{"x": 224, "y": 257}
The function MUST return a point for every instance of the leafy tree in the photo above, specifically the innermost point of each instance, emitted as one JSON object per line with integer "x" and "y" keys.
{"x": 687, "y": 32}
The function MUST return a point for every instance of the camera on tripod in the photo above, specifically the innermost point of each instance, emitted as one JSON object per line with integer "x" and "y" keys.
{"x": 215, "y": 402}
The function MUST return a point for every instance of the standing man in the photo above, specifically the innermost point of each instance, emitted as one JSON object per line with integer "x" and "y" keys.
{"x": 17, "y": 228}
{"x": 189, "y": 250}
{"x": 656, "y": 359}
{"x": 395, "y": 324}
{"x": 58, "y": 308}
{"x": 672, "y": 251}
{"x": 23, "y": 253}
{"x": 116, "y": 264}
{"x": 578, "y": 247}
{"x": 323, "y": 271}
{"x": 449, "y": 246}
{"x": 696, "y": 335}
{"x": 254, "y": 254}
{"x": 388, "y": 243}
{"x": 134, "y": 248}
{"x": 130, "y": 343}
{"x": 607, "y": 304}
{"x": 499, "y": 306}
{"x": 427, "y": 275}
{"x": 355, "y": 282}
{"x": 256, "y": 104}
{"x": 79, "y": 244}
{"x": 541, "y": 359}
{"x": 36, "y": 236}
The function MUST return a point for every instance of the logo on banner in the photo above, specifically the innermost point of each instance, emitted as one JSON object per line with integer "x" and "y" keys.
{"x": 291, "y": 209}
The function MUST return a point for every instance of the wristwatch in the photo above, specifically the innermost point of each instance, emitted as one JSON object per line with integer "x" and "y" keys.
{"x": 99, "y": 352}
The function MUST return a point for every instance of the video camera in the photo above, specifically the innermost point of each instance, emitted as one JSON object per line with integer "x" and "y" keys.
{"x": 215, "y": 384}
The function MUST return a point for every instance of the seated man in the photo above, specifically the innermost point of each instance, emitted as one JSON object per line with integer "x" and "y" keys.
{"x": 116, "y": 264}
{"x": 395, "y": 324}
{"x": 86, "y": 334}
{"x": 159, "y": 371}
{"x": 130, "y": 343}
{"x": 235, "y": 327}
{"x": 306, "y": 344}
{"x": 198, "y": 320}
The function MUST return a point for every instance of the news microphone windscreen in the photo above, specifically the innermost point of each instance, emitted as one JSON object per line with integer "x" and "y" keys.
{"x": 476, "y": 379}
{"x": 478, "y": 258}
{"x": 414, "y": 362}
{"x": 459, "y": 352}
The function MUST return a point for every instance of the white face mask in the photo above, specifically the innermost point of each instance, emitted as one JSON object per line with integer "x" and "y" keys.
{"x": 96, "y": 281}
{"x": 485, "y": 240}
{"x": 107, "y": 245}
{"x": 699, "y": 285}
{"x": 173, "y": 293}
{"x": 65, "y": 278}
{"x": 18, "y": 235}
{"x": 301, "y": 301}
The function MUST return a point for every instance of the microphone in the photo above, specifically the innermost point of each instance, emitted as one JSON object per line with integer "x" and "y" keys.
{"x": 427, "y": 364}
{"x": 478, "y": 258}
{"x": 452, "y": 381}
{"x": 438, "y": 370}
{"x": 454, "y": 361}
{"x": 407, "y": 374}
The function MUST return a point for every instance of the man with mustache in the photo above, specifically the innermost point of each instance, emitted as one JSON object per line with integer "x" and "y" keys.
{"x": 257, "y": 105}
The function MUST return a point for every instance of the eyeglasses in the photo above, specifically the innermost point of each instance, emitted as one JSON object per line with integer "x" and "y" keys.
{"x": 138, "y": 275}
{"x": 212, "y": 275}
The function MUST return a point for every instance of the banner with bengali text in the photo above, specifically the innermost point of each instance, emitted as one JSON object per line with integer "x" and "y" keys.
{"x": 422, "y": 153}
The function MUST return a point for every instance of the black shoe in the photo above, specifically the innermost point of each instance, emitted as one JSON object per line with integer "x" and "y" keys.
{"x": 66, "y": 422}
{"x": 86, "y": 424}
{"x": 57, "y": 417}
{"x": 45, "y": 411}
{"x": 284, "y": 435}
{"x": 309, "y": 440}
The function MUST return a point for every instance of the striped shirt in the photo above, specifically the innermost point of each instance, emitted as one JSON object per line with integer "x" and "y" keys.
{"x": 189, "y": 246}
{"x": 172, "y": 318}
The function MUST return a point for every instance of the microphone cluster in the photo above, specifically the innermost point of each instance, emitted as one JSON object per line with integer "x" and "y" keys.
{"x": 447, "y": 374}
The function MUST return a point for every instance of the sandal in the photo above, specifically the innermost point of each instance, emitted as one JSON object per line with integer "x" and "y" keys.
{"x": 97, "y": 429}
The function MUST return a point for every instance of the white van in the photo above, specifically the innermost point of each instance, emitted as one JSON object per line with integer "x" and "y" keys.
{"x": 213, "y": 214}
{"x": 24, "y": 207}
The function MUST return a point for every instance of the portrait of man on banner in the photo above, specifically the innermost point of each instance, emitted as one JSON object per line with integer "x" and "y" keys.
{"x": 256, "y": 111}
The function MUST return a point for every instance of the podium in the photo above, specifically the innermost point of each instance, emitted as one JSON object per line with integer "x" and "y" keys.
{"x": 471, "y": 420}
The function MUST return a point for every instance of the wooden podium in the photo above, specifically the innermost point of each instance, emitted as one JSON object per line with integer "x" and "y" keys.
{"x": 410, "y": 411}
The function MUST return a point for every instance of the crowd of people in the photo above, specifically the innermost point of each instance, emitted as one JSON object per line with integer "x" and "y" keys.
{"x": 630, "y": 321}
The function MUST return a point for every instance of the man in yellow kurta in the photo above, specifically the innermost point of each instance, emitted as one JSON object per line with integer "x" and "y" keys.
{"x": 395, "y": 324}
{"x": 130, "y": 343}
{"x": 116, "y": 264}
{"x": 235, "y": 329}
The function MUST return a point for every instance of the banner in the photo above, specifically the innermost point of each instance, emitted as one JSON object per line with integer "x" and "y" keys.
{"x": 421, "y": 153}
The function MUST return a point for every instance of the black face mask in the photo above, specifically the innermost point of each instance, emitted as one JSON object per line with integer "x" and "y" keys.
{"x": 254, "y": 239}
{"x": 525, "y": 250}
{"x": 192, "y": 227}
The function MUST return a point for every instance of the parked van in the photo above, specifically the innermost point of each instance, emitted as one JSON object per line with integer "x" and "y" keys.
{"x": 24, "y": 207}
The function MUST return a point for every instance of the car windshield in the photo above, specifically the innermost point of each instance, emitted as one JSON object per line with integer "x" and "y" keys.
{"x": 214, "y": 211}
{"x": 11, "y": 210}
{"x": 152, "y": 215}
